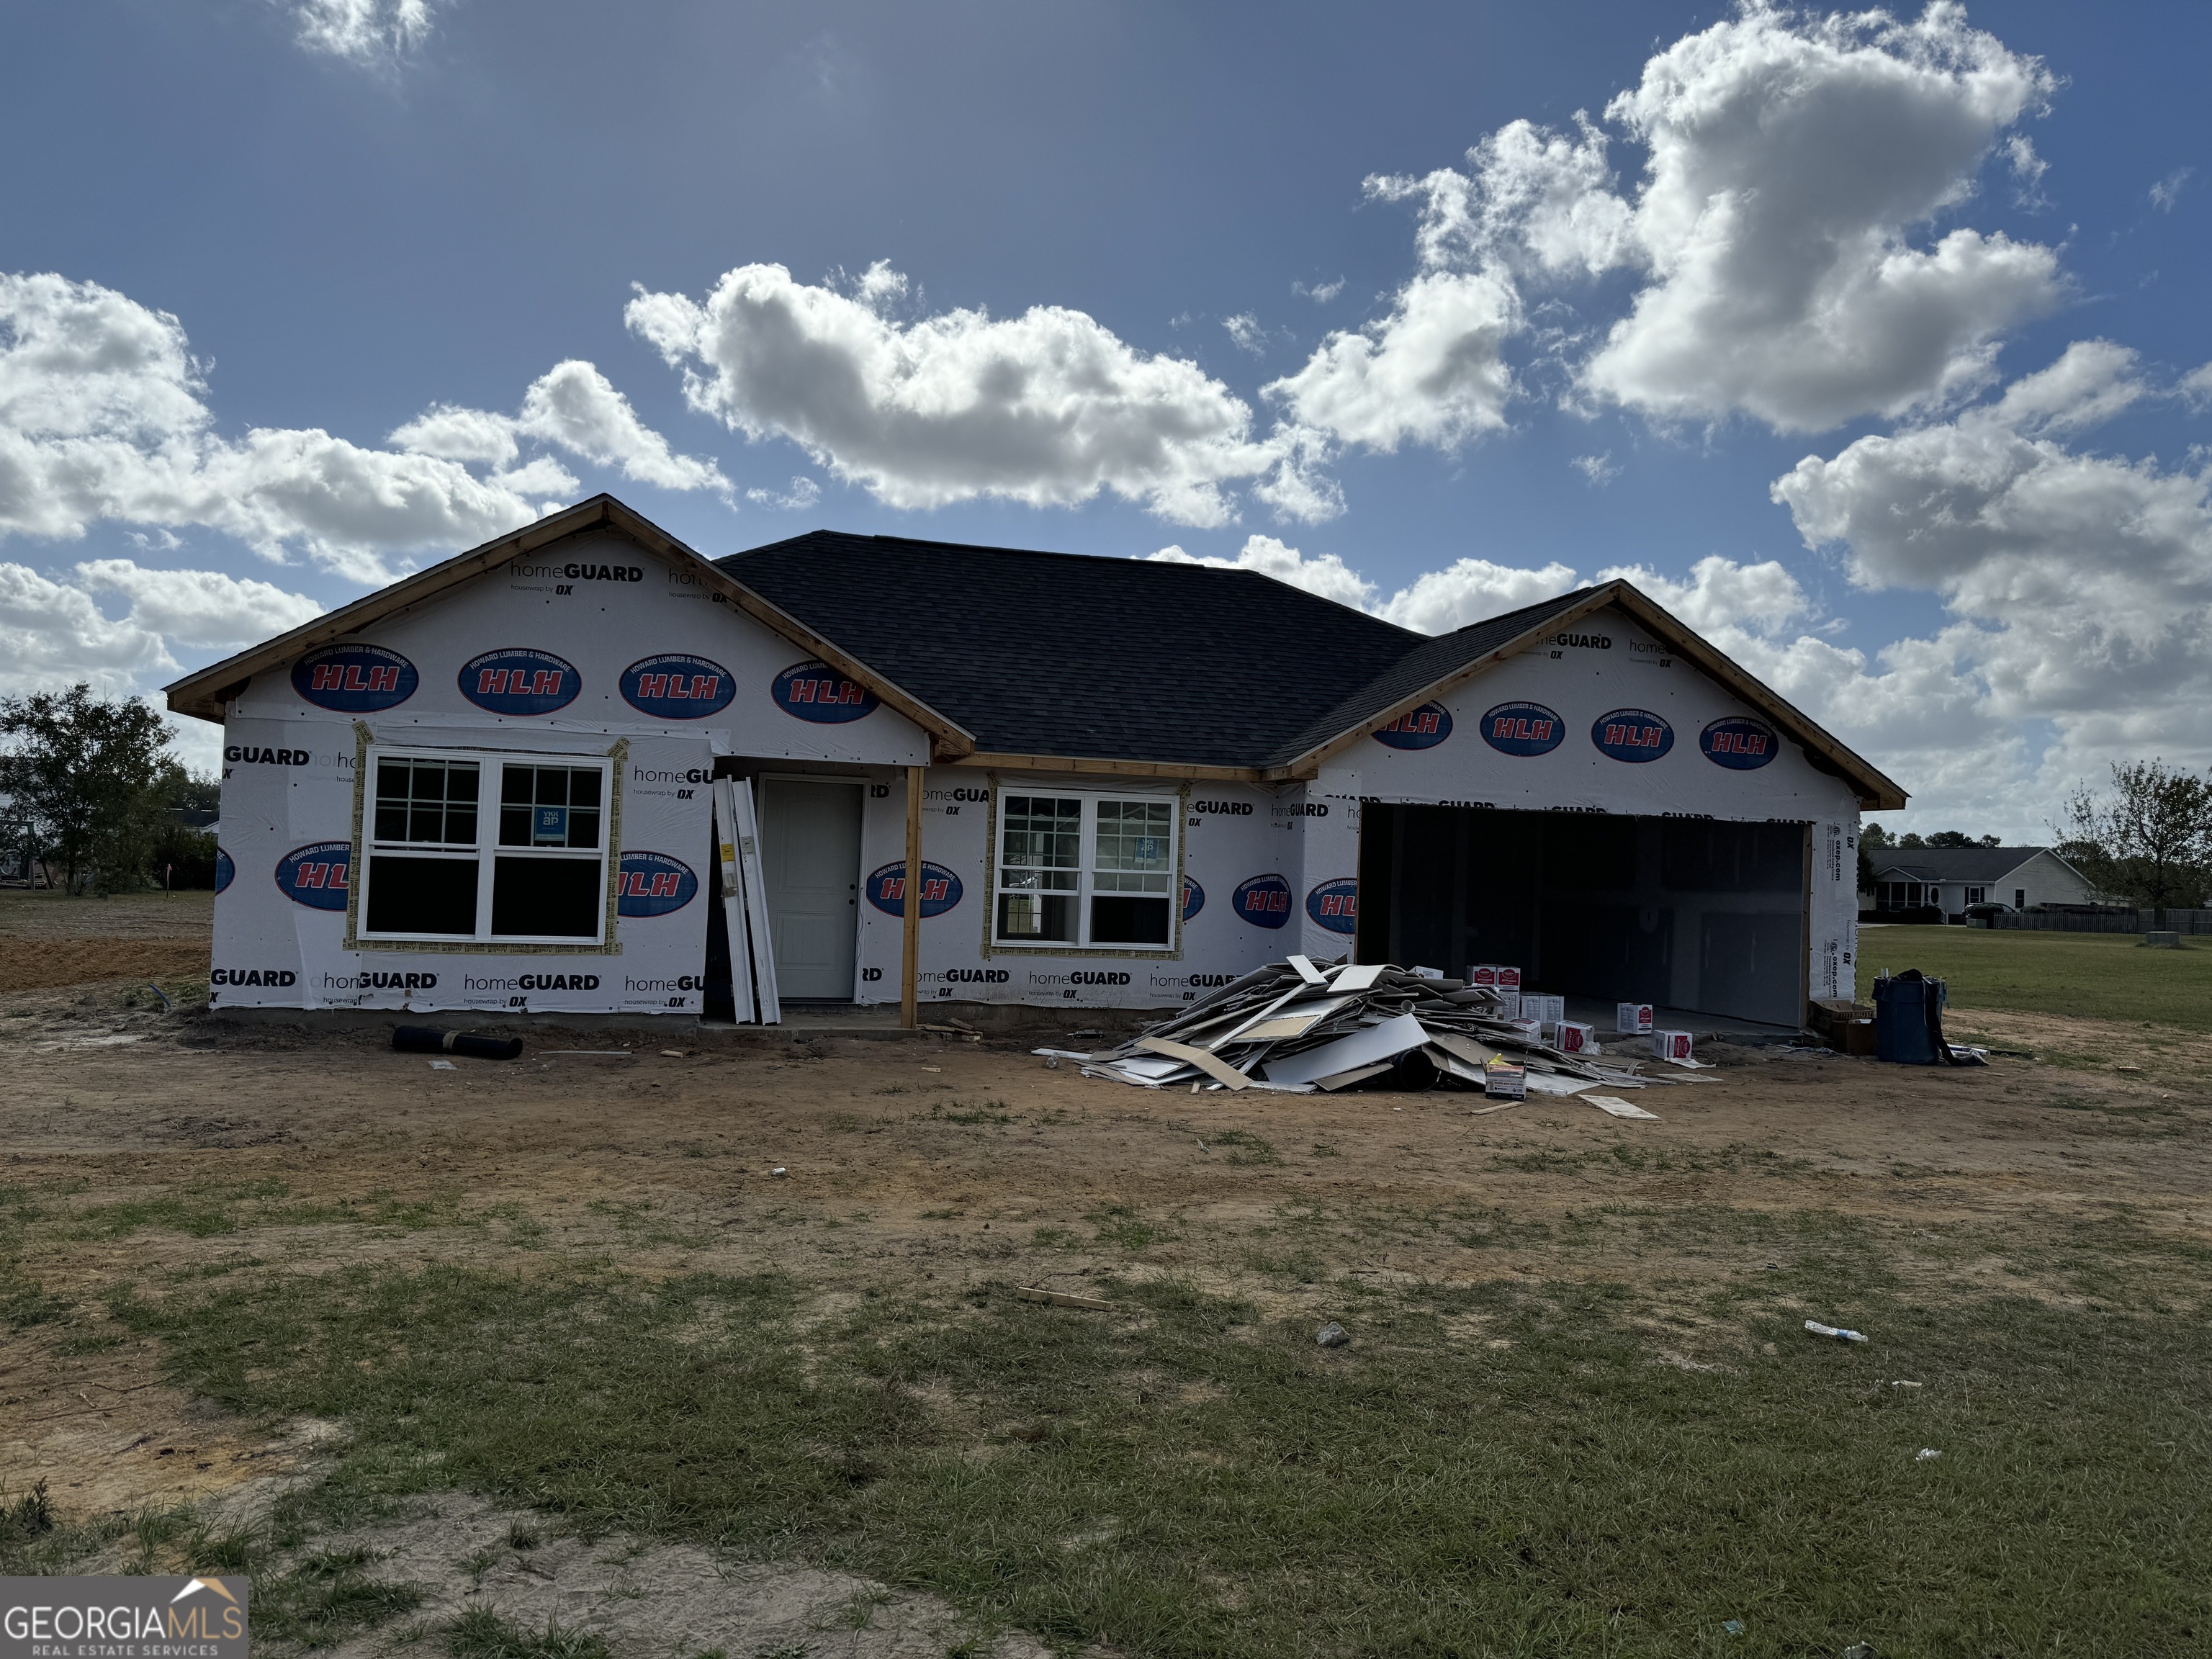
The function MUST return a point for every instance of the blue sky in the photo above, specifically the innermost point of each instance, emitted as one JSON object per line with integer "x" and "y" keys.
{"x": 1869, "y": 344}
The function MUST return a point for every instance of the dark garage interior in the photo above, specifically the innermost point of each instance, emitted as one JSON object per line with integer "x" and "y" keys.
{"x": 1693, "y": 913}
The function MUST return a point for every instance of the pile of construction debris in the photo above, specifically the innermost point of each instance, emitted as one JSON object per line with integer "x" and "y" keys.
{"x": 1299, "y": 1026}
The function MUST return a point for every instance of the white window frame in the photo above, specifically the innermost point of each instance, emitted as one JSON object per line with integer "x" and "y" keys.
{"x": 486, "y": 850}
{"x": 1087, "y": 886}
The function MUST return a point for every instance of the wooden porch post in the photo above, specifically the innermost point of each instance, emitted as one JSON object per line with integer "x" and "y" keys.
{"x": 910, "y": 954}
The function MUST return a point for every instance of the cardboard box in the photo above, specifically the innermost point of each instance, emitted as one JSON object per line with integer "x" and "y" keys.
{"x": 1503, "y": 1080}
{"x": 1492, "y": 975}
{"x": 1633, "y": 1019}
{"x": 1509, "y": 1005}
{"x": 1671, "y": 1045}
{"x": 1543, "y": 1007}
{"x": 1575, "y": 1038}
{"x": 1531, "y": 1029}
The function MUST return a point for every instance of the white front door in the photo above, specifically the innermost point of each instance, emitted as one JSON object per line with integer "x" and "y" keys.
{"x": 810, "y": 856}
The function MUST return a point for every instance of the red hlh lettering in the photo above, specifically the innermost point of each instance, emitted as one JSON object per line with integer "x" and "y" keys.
{"x": 328, "y": 677}
{"x": 545, "y": 683}
{"x": 679, "y": 687}
{"x": 894, "y": 889}
{"x": 491, "y": 682}
{"x": 311, "y": 875}
{"x": 384, "y": 679}
{"x": 802, "y": 690}
{"x": 353, "y": 679}
{"x": 664, "y": 884}
{"x": 703, "y": 686}
{"x": 850, "y": 692}
{"x": 933, "y": 889}
{"x": 653, "y": 685}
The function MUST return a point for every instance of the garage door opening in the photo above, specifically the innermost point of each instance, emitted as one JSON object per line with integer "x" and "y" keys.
{"x": 1690, "y": 913}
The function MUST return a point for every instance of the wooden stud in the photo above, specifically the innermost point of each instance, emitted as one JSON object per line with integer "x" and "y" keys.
{"x": 910, "y": 947}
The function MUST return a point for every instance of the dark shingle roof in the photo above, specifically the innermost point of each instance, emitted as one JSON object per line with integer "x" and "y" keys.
{"x": 1074, "y": 654}
{"x": 1975, "y": 864}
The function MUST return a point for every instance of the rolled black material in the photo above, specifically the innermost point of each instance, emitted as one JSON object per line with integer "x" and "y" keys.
{"x": 429, "y": 1040}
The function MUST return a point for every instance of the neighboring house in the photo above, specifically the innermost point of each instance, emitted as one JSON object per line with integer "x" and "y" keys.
{"x": 488, "y": 786}
{"x": 1951, "y": 878}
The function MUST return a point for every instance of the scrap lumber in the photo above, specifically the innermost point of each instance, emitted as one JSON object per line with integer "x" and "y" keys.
{"x": 1297, "y": 1026}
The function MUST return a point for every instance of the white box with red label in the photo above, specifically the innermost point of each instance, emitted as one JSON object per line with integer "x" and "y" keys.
{"x": 1575, "y": 1038}
{"x": 1494, "y": 977}
{"x": 1633, "y": 1019}
{"x": 1543, "y": 1007}
{"x": 1671, "y": 1045}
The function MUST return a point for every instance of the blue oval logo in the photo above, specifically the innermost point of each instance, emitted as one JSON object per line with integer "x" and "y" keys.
{"x": 940, "y": 890}
{"x": 1193, "y": 898}
{"x": 1421, "y": 728}
{"x": 1739, "y": 744}
{"x": 1523, "y": 728}
{"x": 816, "y": 691}
{"x": 1335, "y": 905}
{"x": 677, "y": 688}
{"x": 318, "y": 875}
{"x": 355, "y": 679}
{"x": 653, "y": 885}
{"x": 1632, "y": 734}
{"x": 225, "y": 871}
{"x": 1264, "y": 901}
{"x": 517, "y": 681}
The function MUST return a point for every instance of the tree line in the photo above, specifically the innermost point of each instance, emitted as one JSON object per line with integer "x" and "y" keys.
{"x": 88, "y": 786}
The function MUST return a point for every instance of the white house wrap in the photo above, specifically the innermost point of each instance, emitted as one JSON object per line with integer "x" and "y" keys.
{"x": 486, "y": 788}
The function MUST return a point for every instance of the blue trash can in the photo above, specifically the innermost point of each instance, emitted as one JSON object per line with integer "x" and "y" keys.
{"x": 1908, "y": 1019}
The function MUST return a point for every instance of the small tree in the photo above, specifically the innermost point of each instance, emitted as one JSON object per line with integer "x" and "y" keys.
{"x": 91, "y": 778}
{"x": 2150, "y": 840}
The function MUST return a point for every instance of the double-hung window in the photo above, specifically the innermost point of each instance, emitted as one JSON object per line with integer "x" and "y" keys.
{"x": 496, "y": 848}
{"x": 1086, "y": 871}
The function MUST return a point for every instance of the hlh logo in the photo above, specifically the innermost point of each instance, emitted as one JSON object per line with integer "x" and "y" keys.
{"x": 1740, "y": 745}
{"x": 1264, "y": 901}
{"x": 815, "y": 692}
{"x": 225, "y": 871}
{"x": 653, "y": 885}
{"x": 517, "y": 681}
{"x": 1335, "y": 905}
{"x": 1193, "y": 898}
{"x": 1632, "y": 734}
{"x": 355, "y": 679}
{"x": 677, "y": 688}
{"x": 1422, "y": 728}
{"x": 318, "y": 876}
{"x": 1523, "y": 728}
{"x": 940, "y": 890}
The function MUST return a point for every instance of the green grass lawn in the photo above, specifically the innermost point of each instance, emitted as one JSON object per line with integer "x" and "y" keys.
{"x": 1503, "y": 1468}
{"x": 2097, "y": 976}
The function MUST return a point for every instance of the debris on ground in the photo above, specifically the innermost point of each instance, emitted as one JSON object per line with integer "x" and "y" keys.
{"x": 1332, "y": 1335}
{"x": 1062, "y": 1298}
{"x": 1834, "y": 1332}
{"x": 1298, "y": 1026}
{"x": 1926, "y": 1452}
{"x": 431, "y": 1040}
{"x": 1614, "y": 1106}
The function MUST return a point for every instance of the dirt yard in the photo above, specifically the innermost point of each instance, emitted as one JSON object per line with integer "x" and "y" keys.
{"x": 161, "y": 1144}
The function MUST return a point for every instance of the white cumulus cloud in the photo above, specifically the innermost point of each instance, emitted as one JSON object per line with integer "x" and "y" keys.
{"x": 1049, "y": 408}
{"x": 1324, "y": 574}
{"x": 367, "y": 32}
{"x": 1785, "y": 238}
{"x": 2080, "y": 583}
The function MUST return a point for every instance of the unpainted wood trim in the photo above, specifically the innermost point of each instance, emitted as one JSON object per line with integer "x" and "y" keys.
{"x": 910, "y": 920}
{"x": 202, "y": 694}
{"x": 1089, "y": 767}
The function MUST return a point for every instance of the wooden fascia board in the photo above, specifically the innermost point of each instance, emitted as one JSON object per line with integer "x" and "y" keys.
{"x": 1876, "y": 792}
{"x": 199, "y": 694}
{"x": 1309, "y": 765}
{"x": 1089, "y": 766}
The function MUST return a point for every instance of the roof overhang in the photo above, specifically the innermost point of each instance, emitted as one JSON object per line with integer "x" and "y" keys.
{"x": 204, "y": 694}
{"x": 1876, "y": 792}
